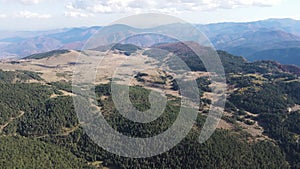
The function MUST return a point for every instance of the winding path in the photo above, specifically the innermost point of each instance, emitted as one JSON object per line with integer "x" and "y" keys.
{"x": 11, "y": 120}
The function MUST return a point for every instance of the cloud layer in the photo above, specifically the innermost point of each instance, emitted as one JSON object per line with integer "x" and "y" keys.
{"x": 29, "y": 2}
{"x": 28, "y": 14}
{"x": 3, "y": 16}
{"x": 24, "y": 2}
{"x": 164, "y": 6}
{"x": 87, "y": 8}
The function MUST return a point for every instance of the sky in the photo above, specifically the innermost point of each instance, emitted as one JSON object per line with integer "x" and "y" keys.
{"x": 55, "y": 14}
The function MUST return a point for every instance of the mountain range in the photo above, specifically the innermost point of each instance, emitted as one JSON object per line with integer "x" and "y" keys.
{"x": 258, "y": 40}
{"x": 272, "y": 39}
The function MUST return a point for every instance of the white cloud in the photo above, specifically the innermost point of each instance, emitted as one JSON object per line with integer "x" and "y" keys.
{"x": 30, "y": 2}
{"x": 164, "y": 6}
{"x": 76, "y": 14}
{"x": 28, "y": 14}
{"x": 3, "y": 16}
{"x": 99, "y": 8}
{"x": 24, "y": 2}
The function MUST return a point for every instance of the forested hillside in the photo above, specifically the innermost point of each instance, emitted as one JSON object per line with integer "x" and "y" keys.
{"x": 39, "y": 127}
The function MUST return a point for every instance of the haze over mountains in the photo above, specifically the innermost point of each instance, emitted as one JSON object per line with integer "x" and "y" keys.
{"x": 273, "y": 39}
{"x": 258, "y": 40}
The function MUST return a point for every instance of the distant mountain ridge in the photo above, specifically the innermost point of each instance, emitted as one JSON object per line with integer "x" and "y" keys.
{"x": 258, "y": 40}
{"x": 246, "y": 39}
{"x": 25, "y": 43}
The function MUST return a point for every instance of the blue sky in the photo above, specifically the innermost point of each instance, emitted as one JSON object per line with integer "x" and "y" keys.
{"x": 52, "y": 14}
